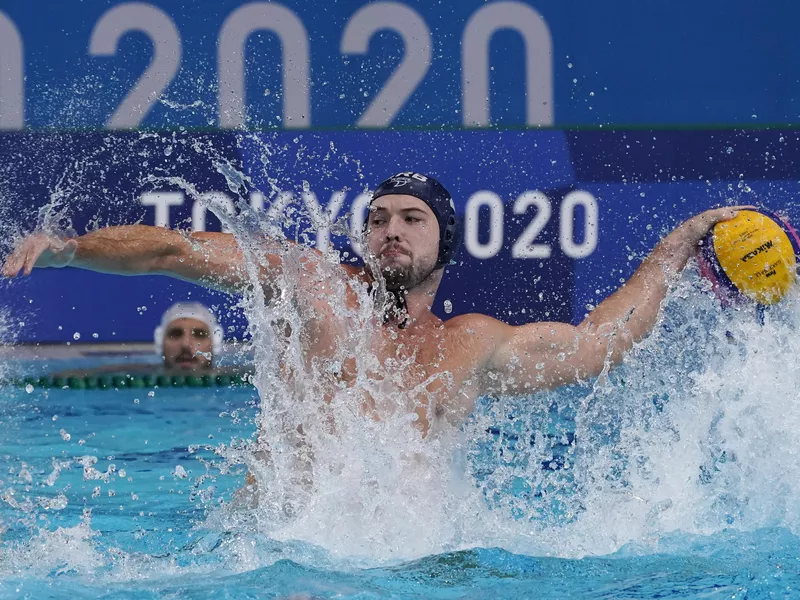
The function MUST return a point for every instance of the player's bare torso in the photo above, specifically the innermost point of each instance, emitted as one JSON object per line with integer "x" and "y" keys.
{"x": 432, "y": 368}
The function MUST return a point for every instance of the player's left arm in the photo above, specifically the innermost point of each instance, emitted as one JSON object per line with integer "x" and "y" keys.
{"x": 545, "y": 355}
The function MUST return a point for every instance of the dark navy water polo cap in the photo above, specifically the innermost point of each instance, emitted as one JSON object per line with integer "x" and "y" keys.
{"x": 432, "y": 193}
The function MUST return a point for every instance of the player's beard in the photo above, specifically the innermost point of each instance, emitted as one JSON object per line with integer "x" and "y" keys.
{"x": 406, "y": 277}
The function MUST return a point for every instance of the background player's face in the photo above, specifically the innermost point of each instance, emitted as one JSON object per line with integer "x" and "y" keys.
{"x": 187, "y": 345}
{"x": 403, "y": 234}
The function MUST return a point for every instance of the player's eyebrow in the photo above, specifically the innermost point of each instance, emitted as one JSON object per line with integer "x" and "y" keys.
{"x": 381, "y": 209}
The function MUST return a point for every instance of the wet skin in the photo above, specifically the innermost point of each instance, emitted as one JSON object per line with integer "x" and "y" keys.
{"x": 438, "y": 367}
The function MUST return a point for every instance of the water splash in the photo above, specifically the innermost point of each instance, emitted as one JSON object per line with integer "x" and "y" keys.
{"x": 672, "y": 440}
{"x": 696, "y": 432}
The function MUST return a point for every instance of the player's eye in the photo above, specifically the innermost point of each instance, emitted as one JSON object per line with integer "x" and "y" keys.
{"x": 175, "y": 333}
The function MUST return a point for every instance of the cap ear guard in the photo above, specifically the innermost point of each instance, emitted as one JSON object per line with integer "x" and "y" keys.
{"x": 158, "y": 340}
{"x": 450, "y": 241}
{"x": 216, "y": 340}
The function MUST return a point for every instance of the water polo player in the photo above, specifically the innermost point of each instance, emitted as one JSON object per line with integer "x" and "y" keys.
{"x": 412, "y": 233}
{"x": 188, "y": 337}
{"x": 188, "y": 341}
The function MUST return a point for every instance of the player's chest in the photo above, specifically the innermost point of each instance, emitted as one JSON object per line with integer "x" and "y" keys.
{"x": 425, "y": 364}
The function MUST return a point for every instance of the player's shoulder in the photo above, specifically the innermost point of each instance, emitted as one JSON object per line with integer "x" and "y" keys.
{"x": 476, "y": 323}
{"x": 355, "y": 272}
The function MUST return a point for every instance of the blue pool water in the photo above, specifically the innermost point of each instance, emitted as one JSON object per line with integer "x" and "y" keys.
{"x": 121, "y": 494}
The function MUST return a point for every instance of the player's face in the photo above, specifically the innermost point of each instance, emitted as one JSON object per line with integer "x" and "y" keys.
{"x": 403, "y": 234}
{"x": 187, "y": 345}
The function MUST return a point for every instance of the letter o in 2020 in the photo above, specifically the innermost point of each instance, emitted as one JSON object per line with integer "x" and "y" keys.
{"x": 237, "y": 28}
{"x": 479, "y": 31}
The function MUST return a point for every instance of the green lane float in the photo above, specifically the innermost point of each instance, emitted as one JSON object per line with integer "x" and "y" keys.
{"x": 137, "y": 381}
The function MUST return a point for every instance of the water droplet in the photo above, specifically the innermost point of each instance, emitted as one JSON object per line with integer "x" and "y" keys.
{"x": 448, "y": 306}
{"x": 167, "y": 150}
{"x": 76, "y": 336}
{"x": 29, "y": 388}
{"x": 729, "y": 150}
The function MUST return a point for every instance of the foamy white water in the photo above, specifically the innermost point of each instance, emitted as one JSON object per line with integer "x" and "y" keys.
{"x": 694, "y": 432}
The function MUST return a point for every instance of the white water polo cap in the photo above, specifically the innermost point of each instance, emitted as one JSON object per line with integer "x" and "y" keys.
{"x": 189, "y": 310}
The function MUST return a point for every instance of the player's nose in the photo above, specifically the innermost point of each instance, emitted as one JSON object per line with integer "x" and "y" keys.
{"x": 393, "y": 228}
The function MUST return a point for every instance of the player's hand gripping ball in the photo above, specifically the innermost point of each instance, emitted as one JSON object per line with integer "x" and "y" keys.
{"x": 754, "y": 255}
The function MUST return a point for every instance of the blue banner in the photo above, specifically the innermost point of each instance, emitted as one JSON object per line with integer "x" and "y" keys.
{"x": 357, "y": 64}
{"x": 554, "y": 220}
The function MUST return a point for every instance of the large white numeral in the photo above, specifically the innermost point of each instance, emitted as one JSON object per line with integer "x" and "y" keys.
{"x": 471, "y": 218}
{"x": 538, "y": 61}
{"x": 12, "y": 98}
{"x": 524, "y": 246}
{"x": 567, "y": 224}
{"x": 236, "y": 30}
{"x": 157, "y": 25}
{"x": 409, "y": 73}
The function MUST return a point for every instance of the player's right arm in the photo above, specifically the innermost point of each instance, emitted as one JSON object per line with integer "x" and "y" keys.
{"x": 211, "y": 259}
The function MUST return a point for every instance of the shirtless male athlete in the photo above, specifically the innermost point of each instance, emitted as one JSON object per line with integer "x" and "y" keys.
{"x": 412, "y": 234}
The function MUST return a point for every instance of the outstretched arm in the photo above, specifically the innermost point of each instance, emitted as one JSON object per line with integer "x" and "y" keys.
{"x": 212, "y": 259}
{"x": 552, "y": 354}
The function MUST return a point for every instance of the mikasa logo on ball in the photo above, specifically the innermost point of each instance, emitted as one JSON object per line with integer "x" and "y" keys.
{"x": 757, "y": 251}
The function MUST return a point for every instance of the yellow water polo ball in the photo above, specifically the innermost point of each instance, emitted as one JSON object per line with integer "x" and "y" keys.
{"x": 753, "y": 255}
